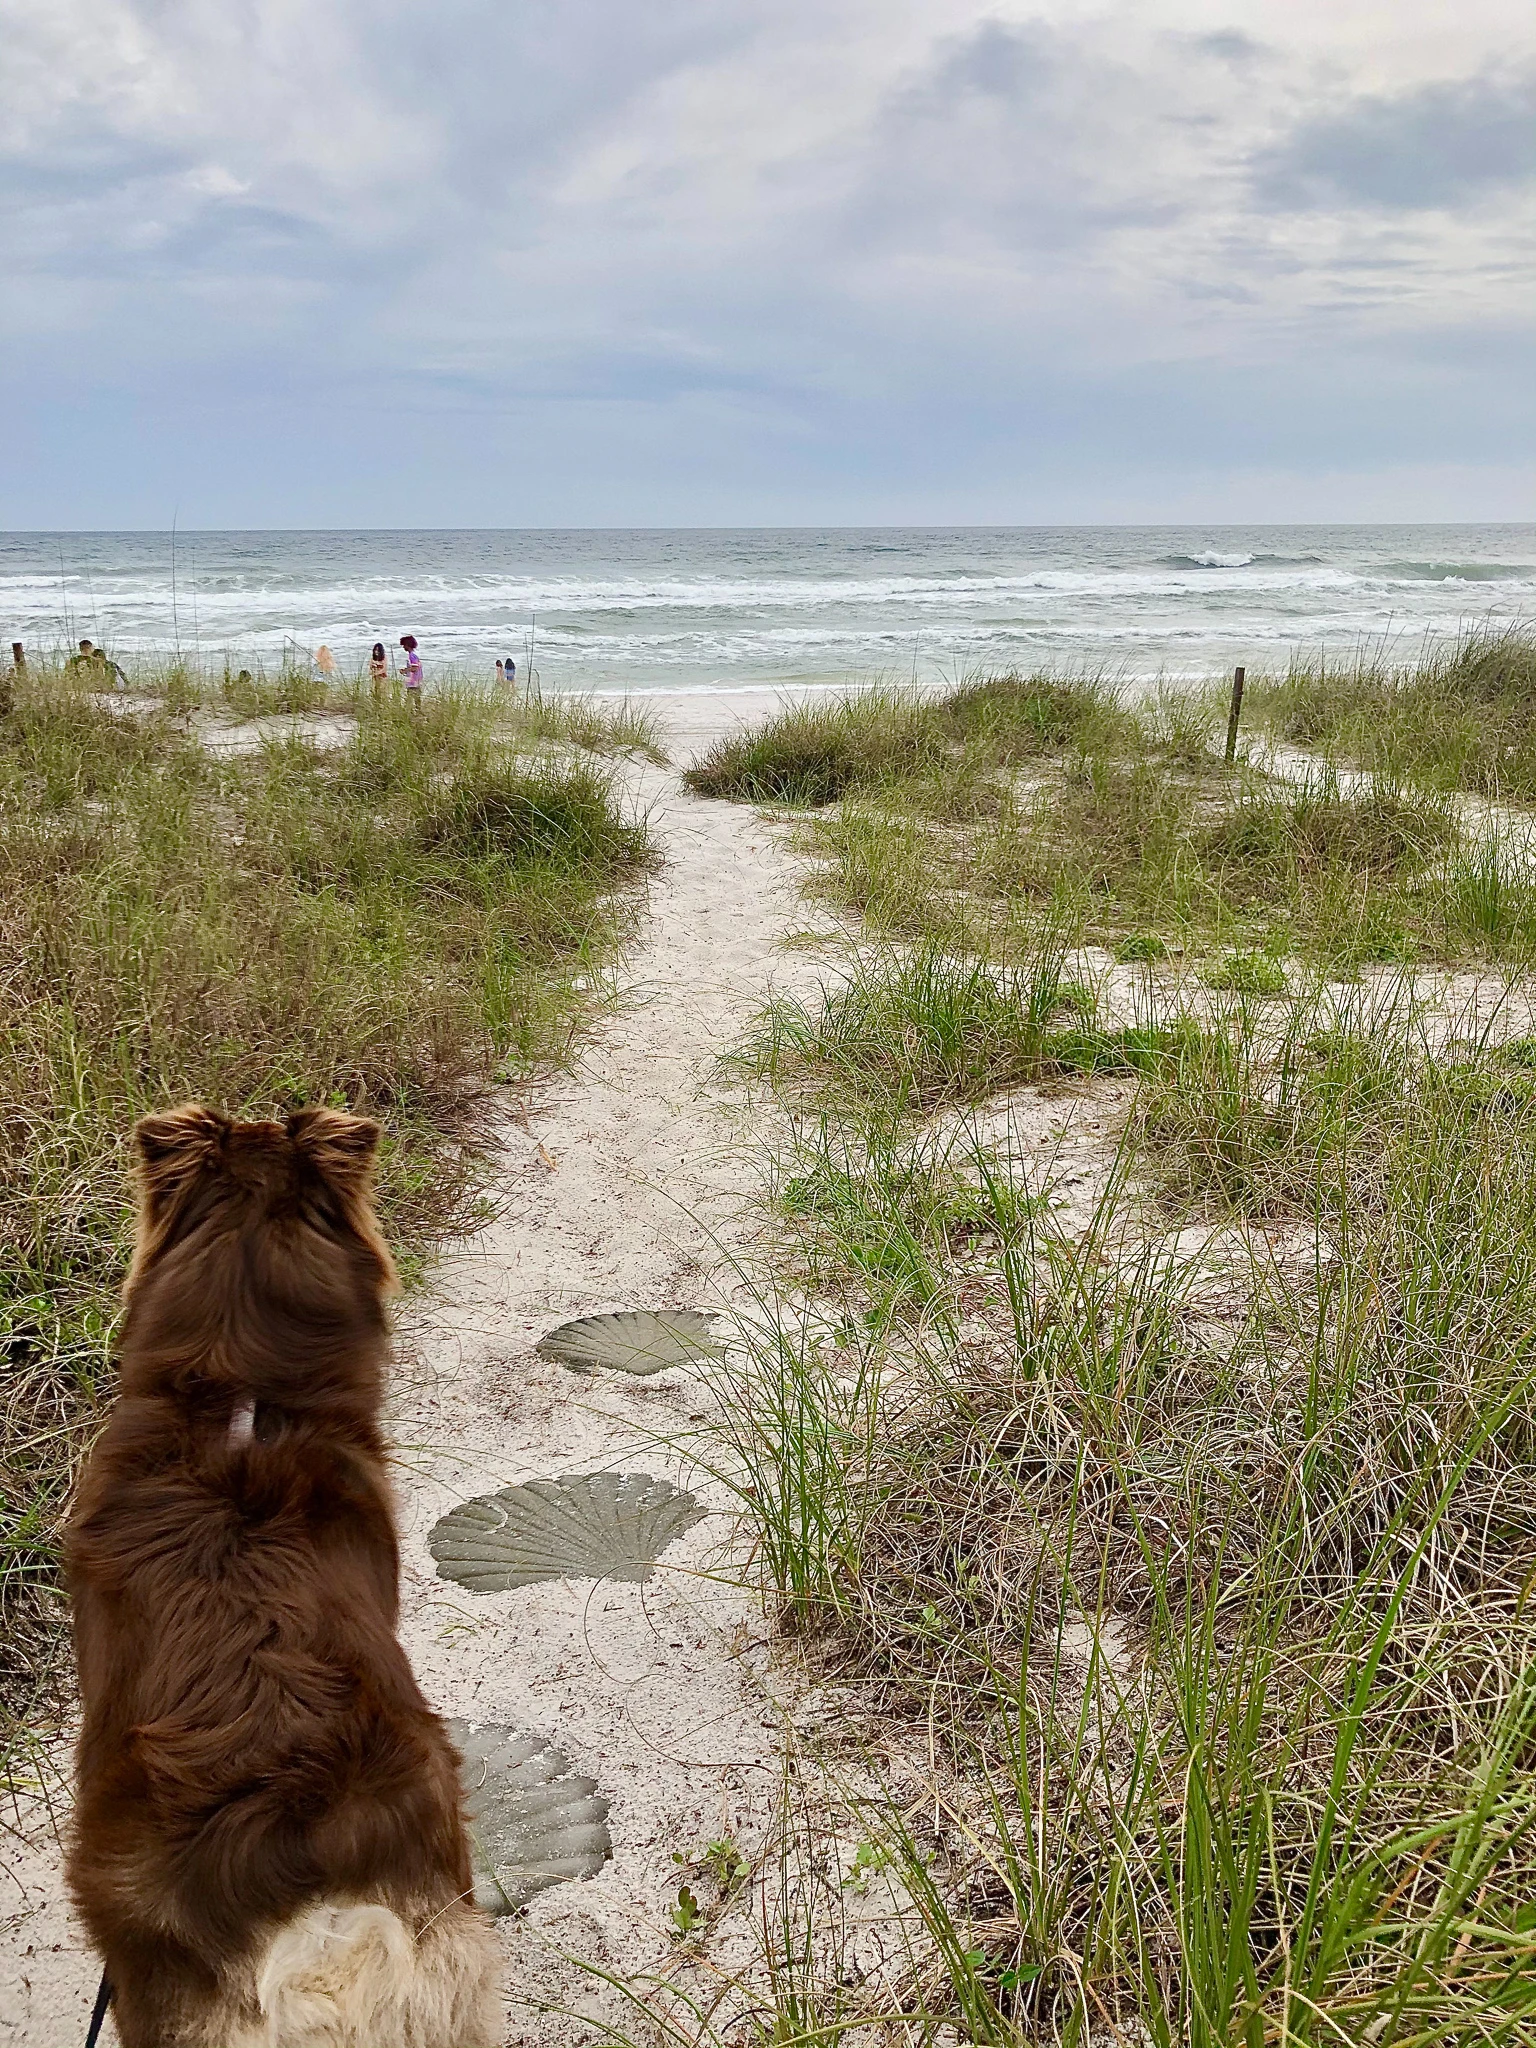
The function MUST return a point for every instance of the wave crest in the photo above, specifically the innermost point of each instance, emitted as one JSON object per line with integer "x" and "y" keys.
{"x": 1461, "y": 572}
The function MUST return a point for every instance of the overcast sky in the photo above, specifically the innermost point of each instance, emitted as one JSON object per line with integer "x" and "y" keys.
{"x": 759, "y": 262}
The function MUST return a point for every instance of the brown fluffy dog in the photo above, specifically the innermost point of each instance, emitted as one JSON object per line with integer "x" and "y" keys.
{"x": 269, "y": 1843}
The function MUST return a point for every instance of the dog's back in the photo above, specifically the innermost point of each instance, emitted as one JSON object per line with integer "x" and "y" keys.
{"x": 269, "y": 1842}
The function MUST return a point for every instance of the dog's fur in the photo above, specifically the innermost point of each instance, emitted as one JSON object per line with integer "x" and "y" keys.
{"x": 269, "y": 1846}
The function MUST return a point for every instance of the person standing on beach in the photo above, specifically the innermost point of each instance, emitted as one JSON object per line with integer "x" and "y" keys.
{"x": 506, "y": 672}
{"x": 325, "y": 661}
{"x": 412, "y": 667}
{"x": 378, "y": 668}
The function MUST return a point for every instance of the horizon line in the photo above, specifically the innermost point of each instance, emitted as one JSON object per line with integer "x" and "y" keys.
{"x": 834, "y": 526}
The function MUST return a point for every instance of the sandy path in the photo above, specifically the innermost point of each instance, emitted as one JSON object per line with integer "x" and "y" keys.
{"x": 650, "y": 1689}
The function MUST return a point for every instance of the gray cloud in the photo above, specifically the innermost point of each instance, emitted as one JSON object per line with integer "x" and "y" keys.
{"x": 1231, "y": 46}
{"x": 1435, "y": 147}
{"x": 737, "y": 241}
{"x": 1038, "y": 138}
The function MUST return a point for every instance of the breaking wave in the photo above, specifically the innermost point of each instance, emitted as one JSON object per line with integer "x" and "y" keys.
{"x": 1461, "y": 572}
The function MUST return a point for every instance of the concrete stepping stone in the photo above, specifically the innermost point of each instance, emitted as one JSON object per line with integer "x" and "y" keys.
{"x": 595, "y": 1525}
{"x": 533, "y": 1821}
{"x": 639, "y": 1340}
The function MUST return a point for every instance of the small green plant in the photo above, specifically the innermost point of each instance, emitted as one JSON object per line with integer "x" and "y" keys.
{"x": 686, "y": 1914}
{"x": 1248, "y": 974}
{"x": 726, "y": 1864}
{"x": 868, "y": 1859}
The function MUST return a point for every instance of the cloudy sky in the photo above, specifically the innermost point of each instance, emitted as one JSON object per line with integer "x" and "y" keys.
{"x": 695, "y": 262}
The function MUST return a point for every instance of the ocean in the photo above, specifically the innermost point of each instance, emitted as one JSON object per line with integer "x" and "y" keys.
{"x": 722, "y": 610}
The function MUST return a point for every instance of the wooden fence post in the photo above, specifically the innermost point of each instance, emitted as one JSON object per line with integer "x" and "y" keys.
{"x": 1234, "y": 715}
{"x": 18, "y": 655}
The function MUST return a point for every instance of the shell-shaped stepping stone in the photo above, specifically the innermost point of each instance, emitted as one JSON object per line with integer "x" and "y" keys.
{"x": 639, "y": 1340}
{"x": 533, "y": 1822}
{"x": 597, "y": 1525}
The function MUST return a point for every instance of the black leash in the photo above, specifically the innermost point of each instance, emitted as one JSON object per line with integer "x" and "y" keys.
{"x": 99, "y": 2016}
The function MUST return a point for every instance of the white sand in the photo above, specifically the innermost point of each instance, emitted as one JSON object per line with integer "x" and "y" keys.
{"x": 653, "y": 1690}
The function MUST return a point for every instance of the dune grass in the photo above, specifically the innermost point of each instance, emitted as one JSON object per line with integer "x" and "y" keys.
{"x": 1191, "y": 1549}
{"x": 910, "y": 1031}
{"x": 393, "y": 923}
{"x": 1461, "y": 716}
{"x": 1147, "y": 858}
{"x": 939, "y": 746}
{"x": 1208, "y": 1597}
{"x": 962, "y": 819}
{"x": 291, "y": 688}
{"x": 1179, "y": 1562}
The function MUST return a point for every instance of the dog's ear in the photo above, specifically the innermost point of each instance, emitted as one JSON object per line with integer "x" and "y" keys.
{"x": 170, "y": 1148}
{"x": 340, "y": 1149}
{"x": 170, "y": 1151}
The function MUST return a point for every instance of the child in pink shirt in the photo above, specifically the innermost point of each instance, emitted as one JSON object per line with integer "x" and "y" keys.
{"x": 412, "y": 666}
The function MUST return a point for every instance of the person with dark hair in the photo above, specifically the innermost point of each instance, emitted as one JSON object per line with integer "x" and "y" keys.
{"x": 98, "y": 663}
{"x": 378, "y": 668}
{"x": 412, "y": 667}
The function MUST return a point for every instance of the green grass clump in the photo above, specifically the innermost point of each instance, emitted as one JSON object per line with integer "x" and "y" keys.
{"x": 814, "y": 754}
{"x": 1336, "y": 1108}
{"x": 1136, "y": 946}
{"x": 912, "y": 1032}
{"x": 508, "y": 816}
{"x": 1248, "y": 974}
{"x": 1379, "y": 834}
{"x": 1461, "y": 717}
{"x": 888, "y": 1218}
{"x": 388, "y": 924}
{"x": 626, "y": 728}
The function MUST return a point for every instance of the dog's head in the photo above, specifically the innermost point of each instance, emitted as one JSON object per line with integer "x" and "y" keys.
{"x": 295, "y": 1195}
